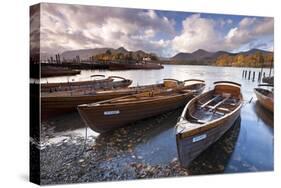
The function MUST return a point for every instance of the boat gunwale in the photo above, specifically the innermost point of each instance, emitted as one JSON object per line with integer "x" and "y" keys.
{"x": 149, "y": 99}
{"x": 227, "y": 83}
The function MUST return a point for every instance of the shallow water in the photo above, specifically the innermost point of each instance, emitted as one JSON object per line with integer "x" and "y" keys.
{"x": 246, "y": 147}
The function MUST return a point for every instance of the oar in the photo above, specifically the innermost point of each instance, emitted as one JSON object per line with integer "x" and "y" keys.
{"x": 250, "y": 100}
{"x": 247, "y": 102}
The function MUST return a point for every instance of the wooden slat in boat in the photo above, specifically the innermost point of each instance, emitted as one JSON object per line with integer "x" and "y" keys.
{"x": 209, "y": 101}
{"x": 265, "y": 98}
{"x": 111, "y": 114}
{"x": 199, "y": 127}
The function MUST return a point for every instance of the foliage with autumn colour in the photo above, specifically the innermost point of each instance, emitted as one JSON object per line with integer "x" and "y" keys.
{"x": 241, "y": 60}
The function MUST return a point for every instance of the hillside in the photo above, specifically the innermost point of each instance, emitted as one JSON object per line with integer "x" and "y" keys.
{"x": 107, "y": 54}
{"x": 84, "y": 53}
{"x": 252, "y": 58}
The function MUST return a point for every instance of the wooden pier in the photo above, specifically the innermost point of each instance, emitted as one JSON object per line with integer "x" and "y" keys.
{"x": 90, "y": 64}
{"x": 251, "y": 75}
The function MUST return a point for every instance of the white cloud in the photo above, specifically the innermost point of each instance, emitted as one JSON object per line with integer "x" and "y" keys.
{"x": 249, "y": 29}
{"x": 66, "y": 27}
{"x": 197, "y": 33}
{"x": 202, "y": 33}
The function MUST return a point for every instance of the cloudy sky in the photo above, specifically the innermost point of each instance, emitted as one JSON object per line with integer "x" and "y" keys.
{"x": 70, "y": 27}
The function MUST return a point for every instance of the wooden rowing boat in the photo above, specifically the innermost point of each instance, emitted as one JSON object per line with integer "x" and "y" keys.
{"x": 55, "y": 103}
{"x": 111, "y": 114}
{"x": 106, "y": 83}
{"x": 206, "y": 118}
{"x": 48, "y": 71}
{"x": 265, "y": 97}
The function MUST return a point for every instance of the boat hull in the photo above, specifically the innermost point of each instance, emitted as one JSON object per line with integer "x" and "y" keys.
{"x": 188, "y": 150}
{"x": 108, "y": 117}
{"x": 206, "y": 118}
{"x": 265, "y": 101}
{"x": 51, "y": 106}
{"x": 57, "y": 103}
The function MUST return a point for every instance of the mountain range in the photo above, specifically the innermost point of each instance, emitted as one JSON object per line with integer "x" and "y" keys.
{"x": 198, "y": 57}
{"x": 201, "y": 56}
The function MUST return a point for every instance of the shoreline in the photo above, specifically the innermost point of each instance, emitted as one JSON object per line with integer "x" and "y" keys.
{"x": 109, "y": 157}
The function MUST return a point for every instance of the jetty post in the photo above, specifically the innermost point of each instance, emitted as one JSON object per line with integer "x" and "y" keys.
{"x": 249, "y": 77}
{"x": 254, "y": 76}
{"x": 56, "y": 56}
{"x": 245, "y": 74}
{"x": 271, "y": 65}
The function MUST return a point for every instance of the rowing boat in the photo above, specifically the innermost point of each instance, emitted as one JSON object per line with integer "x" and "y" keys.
{"x": 105, "y": 83}
{"x": 54, "y": 103}
{"x": 265, "y": 97}
{"x": 48, "y": 71}
{"x": 111, "y": 114}
{"x": 206, "y": 118}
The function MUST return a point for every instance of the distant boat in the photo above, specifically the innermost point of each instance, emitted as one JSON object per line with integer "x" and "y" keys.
{"x": 265, "y": 97}
{"x": 268, "y": 80}
{"x": 127, "y": 66}
{"x": 206, "y": 118}
{"x": 54, "y": 103}
{"x": 104, "y": 83}
{"x": 111, "y": 114}
{"x": 48, "y": 71}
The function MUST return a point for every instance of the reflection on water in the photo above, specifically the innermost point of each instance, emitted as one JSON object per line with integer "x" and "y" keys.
{"x": 247, "y": 146}
{"x": 263, "y": 114}
{"x": 216, "y": 157}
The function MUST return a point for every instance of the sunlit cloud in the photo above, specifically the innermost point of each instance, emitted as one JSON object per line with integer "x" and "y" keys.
{"x": 71, "y": 27}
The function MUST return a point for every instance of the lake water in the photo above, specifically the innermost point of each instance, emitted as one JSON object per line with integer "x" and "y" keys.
{"x": 246, "y": 147}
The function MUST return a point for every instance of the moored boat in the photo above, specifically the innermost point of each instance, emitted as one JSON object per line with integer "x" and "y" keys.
{"x": 104, "y": 83}
{"x": 54, "y": 103}
{"x": 111, "y": 114}
{"x": 206, "y": 118}
{"x": 265, "y": 97}
{"x": 48, "y": 71}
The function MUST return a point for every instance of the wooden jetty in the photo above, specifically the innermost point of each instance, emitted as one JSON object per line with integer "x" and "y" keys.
{"x": 111, "y": 114}
{"x": 128, "y": 66}
{"x": 206, "y": 118}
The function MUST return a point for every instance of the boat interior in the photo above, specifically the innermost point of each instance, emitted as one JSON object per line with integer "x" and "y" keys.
{"x": 265, "y": 92}
{"x": 144, "y": 96}
{"x": 214, "y": 104}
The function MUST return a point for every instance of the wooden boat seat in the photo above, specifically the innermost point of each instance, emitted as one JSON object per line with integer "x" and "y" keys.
{"x": 225, "y": 110}
{"x": 209, "y": 101}
{"x": 218, "y": 104}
